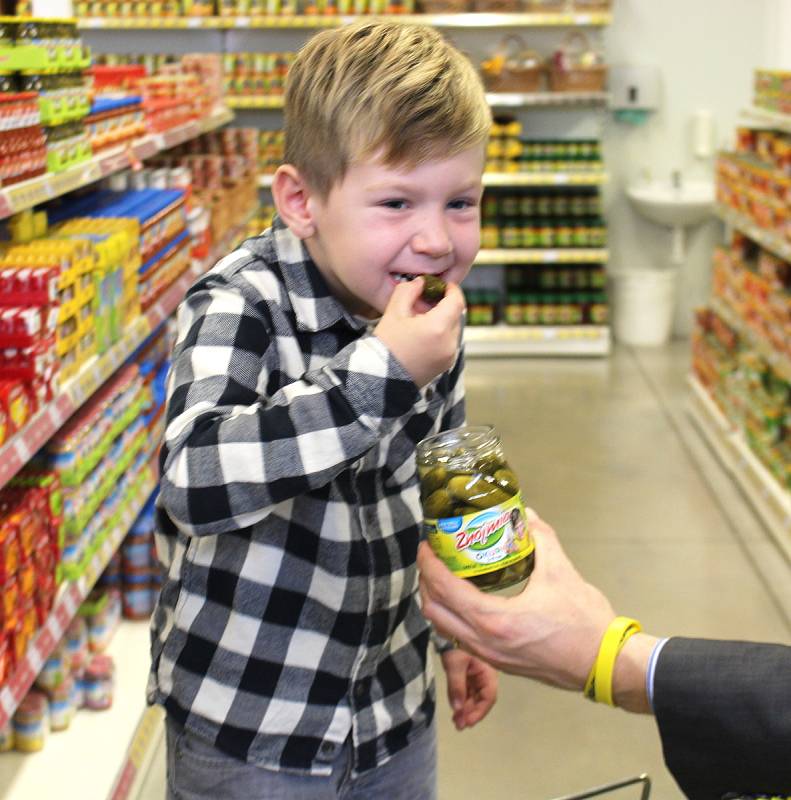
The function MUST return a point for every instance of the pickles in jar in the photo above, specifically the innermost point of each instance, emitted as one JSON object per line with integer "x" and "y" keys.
{"x": 474, "y": 518}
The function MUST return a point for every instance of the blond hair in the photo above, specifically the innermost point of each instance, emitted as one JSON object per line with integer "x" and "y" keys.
{"x": 371, "y": 88}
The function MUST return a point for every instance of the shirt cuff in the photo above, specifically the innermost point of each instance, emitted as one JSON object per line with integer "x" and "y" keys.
{"x": 649, "y": 675}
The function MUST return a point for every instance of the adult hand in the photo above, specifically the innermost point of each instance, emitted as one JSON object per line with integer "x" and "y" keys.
{"x": 427, "y": 343}
{"x": 550, "y": 632}
{"x": 472, "y": 687}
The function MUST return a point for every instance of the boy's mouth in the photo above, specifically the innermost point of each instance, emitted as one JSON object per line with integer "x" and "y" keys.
{"x": 400, "y": 277}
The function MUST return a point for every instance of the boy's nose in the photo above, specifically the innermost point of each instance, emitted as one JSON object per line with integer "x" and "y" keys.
{"x": 432, "y": 239}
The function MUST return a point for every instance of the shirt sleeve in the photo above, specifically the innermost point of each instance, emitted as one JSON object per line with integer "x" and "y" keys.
{"x": 649, "y": 675}
{"x": 231, "y": 451}
{"x": 455, "y": 413}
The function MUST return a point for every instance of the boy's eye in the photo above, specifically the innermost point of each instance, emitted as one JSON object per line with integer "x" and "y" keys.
{"x": 461, "y": 203}
{"x": 395, "y": 204}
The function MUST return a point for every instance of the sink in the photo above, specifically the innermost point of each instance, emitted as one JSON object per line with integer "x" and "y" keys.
{"x": 689, "y": 204}
{"x": 676, "y": 204}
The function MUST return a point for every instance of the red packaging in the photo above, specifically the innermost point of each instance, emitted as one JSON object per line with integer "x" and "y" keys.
{"x": 26, "y": 579}
{"x": 16, "y": 403}
{"x": 18, "y": 642}
{"x": 5, "y": 658}
{"x": 9, "y": 600}
{"x": 28, "y": 619}
{"x": 9, "y": 550}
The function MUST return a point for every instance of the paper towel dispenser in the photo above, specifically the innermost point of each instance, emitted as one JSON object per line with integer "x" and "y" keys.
{"x": 634, "y": 86}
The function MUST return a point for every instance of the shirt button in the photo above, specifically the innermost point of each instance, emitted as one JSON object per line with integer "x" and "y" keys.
{"x": 359, "y": 691}
{"x": 327, "y": 748}
{"x": 429, "y": 393}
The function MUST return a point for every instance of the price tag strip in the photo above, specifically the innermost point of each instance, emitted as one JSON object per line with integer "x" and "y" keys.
{"x": 568, "y": 255}
{"x": 147, "y": 734}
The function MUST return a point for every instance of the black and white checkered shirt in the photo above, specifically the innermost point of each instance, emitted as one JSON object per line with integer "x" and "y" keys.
{"x": 289, "y": 520}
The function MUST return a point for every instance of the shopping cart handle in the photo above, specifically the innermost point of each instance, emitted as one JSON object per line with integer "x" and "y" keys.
{"x": 613, "y": 787}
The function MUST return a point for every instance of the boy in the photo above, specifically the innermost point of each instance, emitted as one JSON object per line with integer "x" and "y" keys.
{"x": 289, "y": 649}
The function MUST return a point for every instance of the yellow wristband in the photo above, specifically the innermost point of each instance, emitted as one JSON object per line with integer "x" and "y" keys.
{"x": 598, "y": 686}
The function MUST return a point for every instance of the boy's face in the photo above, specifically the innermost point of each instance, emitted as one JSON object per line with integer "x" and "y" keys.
{"x": 381, "y": 223}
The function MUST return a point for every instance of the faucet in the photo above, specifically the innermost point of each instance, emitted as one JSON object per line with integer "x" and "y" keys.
{"x": 675, "y": 179}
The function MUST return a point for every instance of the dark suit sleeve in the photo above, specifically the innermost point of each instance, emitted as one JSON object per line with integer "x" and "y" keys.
{"x": 724, "y": 715}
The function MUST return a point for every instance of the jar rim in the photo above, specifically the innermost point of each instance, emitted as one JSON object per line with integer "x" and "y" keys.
{"x": 477, "y": 436}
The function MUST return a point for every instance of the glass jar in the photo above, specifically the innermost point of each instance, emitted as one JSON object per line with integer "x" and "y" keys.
{"x": 474, "y": 518}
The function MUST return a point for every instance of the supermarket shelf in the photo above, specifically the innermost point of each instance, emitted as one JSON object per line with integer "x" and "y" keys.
{"x": 767, "y": 118}
{"x": 70, "y": 595}
{"x": 547, "y": 99}
{"x": 766, "y": 495}
{"x": 148, "y": 733}
{"x": 517, "y": 179}
{"x": 241, "y": 103}
{"x": 779, "y": 362}
{"x": 563, "y": 255}
{"x": 27, "y": 194}
{"x": 96, "y": 742}
{"x": 18, "y": 450}
{"x": 481, "y": 20}
{"x": 770, "y": 241}
{"x": 590, "y": 178}
{"x": 539, "y": 340}
{"x": 537, "y": 100}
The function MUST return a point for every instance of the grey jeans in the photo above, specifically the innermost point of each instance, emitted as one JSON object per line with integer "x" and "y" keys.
{"x": 196, "y": 770}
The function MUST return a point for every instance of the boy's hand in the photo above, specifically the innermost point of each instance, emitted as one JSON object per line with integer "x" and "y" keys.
{"x": 472, "y": 687}
{"x": 425, "y": 343}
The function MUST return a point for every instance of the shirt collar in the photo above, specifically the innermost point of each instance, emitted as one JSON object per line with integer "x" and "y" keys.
{"x": 315, "y": 307}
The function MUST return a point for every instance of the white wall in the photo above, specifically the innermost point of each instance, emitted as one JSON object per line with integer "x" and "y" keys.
{"x": 706, "y": 51}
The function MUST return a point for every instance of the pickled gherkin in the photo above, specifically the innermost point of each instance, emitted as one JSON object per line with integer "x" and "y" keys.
{"x": 433, "y": 288}
{"x": 438, "y": 504}
{"x": 434, "y": 479}
{"x": 474, "y": 517}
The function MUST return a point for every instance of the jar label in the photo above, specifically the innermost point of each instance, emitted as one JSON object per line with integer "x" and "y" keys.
{"x": 485, "y": 541}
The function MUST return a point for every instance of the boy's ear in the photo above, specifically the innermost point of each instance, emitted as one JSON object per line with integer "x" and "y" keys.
{"x": 292, "y": 197}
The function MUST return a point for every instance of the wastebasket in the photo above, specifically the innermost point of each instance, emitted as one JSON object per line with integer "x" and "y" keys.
{"x": 643, "y": 304}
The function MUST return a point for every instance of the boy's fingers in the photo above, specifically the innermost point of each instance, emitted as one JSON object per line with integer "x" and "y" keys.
{"x": 404, "y": 297}
{"x": 452, "y": 304}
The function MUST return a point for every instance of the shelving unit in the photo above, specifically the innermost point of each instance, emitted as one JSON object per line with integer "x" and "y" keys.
{"x": 560, "y": 255}
{"x": 19, "y": 449}
{"x": 766, "y": 118}
{"x": 772, "y": 242}
{"x": 768, "y": 498}
{"x": 519, "y": 179}
{"x": 70, "y": 595}
{"x": 779, "y": 362}
{"x": 27, "y": 194}
{"x": 84, "y": 760}
{"x": 311, "y": 22}
{"x": 728, "y": 440}
{"x": 469, "y": 31}
{"x": 547, "y": 99}
{"x": 514, "y": 100}
{"x": 538, "y": 340}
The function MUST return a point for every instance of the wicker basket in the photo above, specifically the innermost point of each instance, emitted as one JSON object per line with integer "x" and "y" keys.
{"x": 547, "y": 6}
{"x": 571, "y": 70}
{"x": 496, "y": 6}
{"x": 443, "y": 6}
{"x": 513, "y": 68}
{"x": 586, "y": 6}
